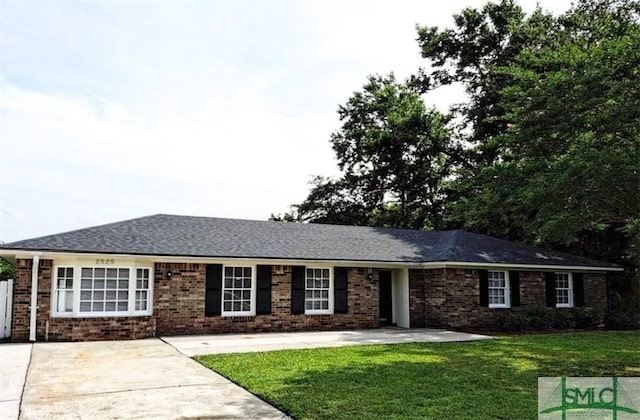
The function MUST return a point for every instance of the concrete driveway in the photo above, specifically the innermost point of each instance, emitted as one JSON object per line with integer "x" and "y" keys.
{"x": 14, "y": 362}
{"x": 151, "y": 379}
{"x": 242, "y": 343}
{"x": 130, "y": 379}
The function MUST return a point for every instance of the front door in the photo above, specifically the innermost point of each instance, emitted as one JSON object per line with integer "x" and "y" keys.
{"x": 386, "y": 305}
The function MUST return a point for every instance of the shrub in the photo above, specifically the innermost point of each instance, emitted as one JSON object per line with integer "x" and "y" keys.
{"x": 624, "y": 311}
{"x": 511, "y": 321}
{"x": 540, "y": 318}
{"x": 585, "y": 317}
{"x": 563, "y": 319}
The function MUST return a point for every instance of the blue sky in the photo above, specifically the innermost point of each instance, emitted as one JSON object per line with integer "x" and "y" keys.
{"x": 115, "y": 110}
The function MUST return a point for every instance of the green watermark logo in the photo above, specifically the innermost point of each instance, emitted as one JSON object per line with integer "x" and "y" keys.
{"x": 577, "y": 398}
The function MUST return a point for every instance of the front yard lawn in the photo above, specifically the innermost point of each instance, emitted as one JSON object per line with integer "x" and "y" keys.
{"x": 475, "y": 380}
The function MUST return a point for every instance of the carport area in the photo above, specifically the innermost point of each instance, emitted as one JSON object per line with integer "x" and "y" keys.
{"x": 130, "y": 379}
{"x": 244, "y": 343}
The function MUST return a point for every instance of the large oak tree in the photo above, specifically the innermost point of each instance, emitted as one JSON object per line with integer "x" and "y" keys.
{"x": 545, "y": 150}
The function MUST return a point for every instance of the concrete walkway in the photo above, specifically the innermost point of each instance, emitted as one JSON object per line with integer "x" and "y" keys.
{"x": 244, "y": 343}
{"x": 14, "y": 362}
{"x": 130, "y": 379}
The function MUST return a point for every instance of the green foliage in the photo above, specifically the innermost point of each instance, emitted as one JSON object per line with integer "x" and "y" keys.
{"x": 553, "y": 116}
{"x": 574, "y": 111}
{"x": 624, "y": 313}
{"x": 484, "y": 379}
{"x": 586, "y": 317}
{"x": 545, "y": 150}
{"x": 481, "y": 40}
{"x": 540, "y": 318}
{"x": 395, "y": 155}
{"x": 7, "y": 270}
{"x": 512, "y": 320}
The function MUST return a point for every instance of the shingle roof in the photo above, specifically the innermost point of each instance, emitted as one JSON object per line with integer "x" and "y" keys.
{"x": 169, "y": 235}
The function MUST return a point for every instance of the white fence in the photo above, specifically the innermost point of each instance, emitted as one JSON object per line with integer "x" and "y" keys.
{"x": 6, "y": 301}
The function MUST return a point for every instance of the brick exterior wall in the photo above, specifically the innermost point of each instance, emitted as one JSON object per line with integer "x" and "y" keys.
{"x": 417, "y": 298}
{"x": 595, "y": 291}
{"x": 532, "y": 288}
{"x": 179, "y": 305}
{"x": 178, "y": 308}
{"x": 437, "y": 298}
{"x": 451, "y": 297}
{"x": 65, "y": 329}
{"x": 21, "y": 301}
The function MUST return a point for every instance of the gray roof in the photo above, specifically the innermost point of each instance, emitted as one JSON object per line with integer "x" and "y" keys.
{"x": 169, "y": 235}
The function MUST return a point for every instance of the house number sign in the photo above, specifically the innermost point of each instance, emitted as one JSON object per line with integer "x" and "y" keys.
{"x": 105, "y": 261}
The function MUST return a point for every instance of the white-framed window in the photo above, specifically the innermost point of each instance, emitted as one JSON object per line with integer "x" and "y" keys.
{"x": 498, "y": 289}
{"x": 318, "y": 297}
{"x": 89, "y": 290}
{"x": 564, "y": 290}
{"x": 142, "y": 289}
{"x": 238, "y": 291}
{"x": 104, "y": 290}
{"x": 64, "y": 289}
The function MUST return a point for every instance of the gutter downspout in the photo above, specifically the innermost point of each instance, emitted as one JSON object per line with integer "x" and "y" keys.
{"x": 34, "y": 297}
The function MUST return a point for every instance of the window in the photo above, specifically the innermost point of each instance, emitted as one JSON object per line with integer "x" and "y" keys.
{"x": 564, "y": 290}
{"x": 498, "y": 289}
{"x": 85, "y": 290}
{"x": 317, "y": 291}
{"x": 142, "y": 289}
{"x": 64, "y": 291}
{"x": 104, "y": 290}
{"x": 237, "y": 293}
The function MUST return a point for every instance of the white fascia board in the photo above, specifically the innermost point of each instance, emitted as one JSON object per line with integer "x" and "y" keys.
{"x": 213, "y": 260}
{"x": 284, "y": 261}
{"x": 531, "y": 267}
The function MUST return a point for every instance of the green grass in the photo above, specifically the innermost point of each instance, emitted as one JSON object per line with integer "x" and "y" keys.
{"x": 475, "y": 380}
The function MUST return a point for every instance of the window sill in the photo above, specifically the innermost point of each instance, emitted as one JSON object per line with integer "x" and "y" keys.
{"x": 499, "y": 307}
{"x": 564, "y": 306}
{"x": 311, "y": 312}
{"x": 237, "y": 314}
{"x": 101, "y": 315}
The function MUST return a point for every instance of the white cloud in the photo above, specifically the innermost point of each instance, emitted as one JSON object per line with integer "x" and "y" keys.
{"x": 118, "y": 110}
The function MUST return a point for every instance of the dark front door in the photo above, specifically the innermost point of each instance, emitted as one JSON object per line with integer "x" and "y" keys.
{"x": 386, "y": 310}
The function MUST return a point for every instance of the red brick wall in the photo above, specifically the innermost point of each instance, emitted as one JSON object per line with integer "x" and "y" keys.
{"x": 532, "y": 288}
{"x": 21, "y": 301}
{"x": 437, "y": 298}
{"x": 417, "y": 298}
{"x": 65, "y": 329}
{"x": 99, "y": 328}
{"x": 595, "y": 291}
{"x": 451, "y": 297}
{"x": 179, "y": 304}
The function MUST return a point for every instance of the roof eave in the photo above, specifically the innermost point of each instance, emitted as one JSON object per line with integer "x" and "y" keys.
{"x": 44, "y": 253}
{"x": 539, "y": 267}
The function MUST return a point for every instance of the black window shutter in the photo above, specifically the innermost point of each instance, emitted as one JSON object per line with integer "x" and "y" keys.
{"x": 484, "y": 288}
{"x": 514, "y": 280}
{"x": 550, "y": 288}
{"x": 213, "y": 292}
{"x": 340, "y": 289}
{"x": 263, "y": 299}
{"x": 578, "y": 289}
{"x": 297, "y": 289}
